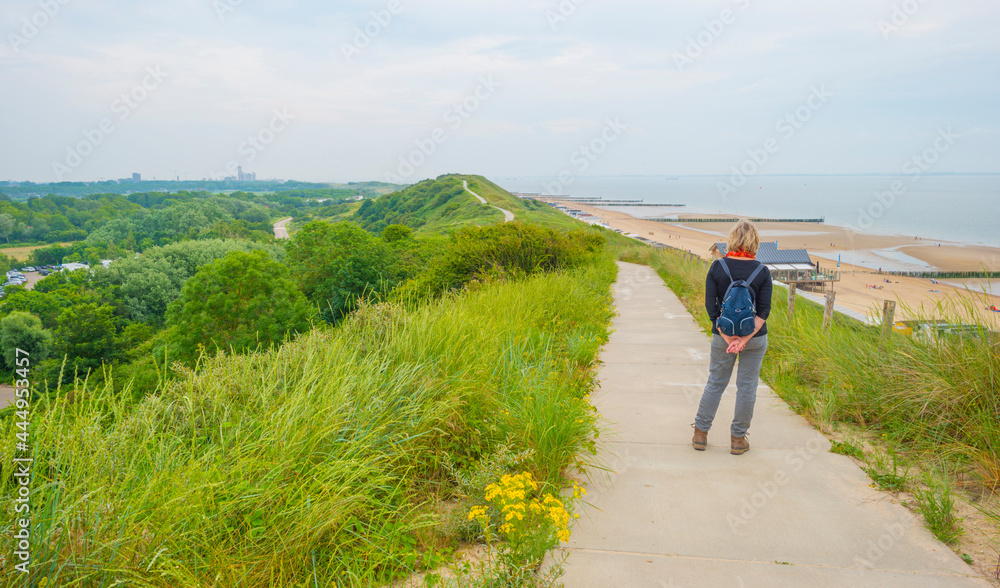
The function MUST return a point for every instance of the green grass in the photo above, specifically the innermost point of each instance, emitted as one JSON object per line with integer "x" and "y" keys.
{"x": 328, "y": 460}
{"x": 524, "y": 210}
{"x": 888, "y": 470}
{"x": 937, "y": 505}
{"x": 442, "y": 205}
{"x": 846, "y": 448}
{"x": 428, "y": 207}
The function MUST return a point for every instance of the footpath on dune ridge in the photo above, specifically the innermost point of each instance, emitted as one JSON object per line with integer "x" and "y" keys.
{"x": 786, "y": 513}
{"x": 508, "y": 216}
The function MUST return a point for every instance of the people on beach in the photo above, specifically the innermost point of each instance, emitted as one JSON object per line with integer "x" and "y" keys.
{"x": 741, "y": 250}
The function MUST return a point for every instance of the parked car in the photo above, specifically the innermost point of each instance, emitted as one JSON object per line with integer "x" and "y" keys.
{"x": 43, "y": 272}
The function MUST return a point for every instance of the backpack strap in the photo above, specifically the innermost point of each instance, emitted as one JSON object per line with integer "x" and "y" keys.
{"x": 722, "y": 262}
{"x": 753, "y": 276}
{"x": 749, "y": 283}
{"x": 725, "y": 268}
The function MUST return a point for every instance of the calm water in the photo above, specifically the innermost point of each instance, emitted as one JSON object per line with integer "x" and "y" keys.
{"x": 962, "y": 208}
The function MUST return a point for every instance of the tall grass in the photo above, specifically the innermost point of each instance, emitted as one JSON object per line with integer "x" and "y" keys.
{"x": 322, "y": 462}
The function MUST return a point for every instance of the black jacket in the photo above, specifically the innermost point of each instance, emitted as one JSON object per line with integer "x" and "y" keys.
{"x": 717, "y": 282}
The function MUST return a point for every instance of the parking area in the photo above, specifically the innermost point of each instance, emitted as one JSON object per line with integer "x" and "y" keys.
{"x": 30, "y": 277}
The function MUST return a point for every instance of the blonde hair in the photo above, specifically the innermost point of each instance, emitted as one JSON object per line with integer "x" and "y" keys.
{"x": 743, "y": 237}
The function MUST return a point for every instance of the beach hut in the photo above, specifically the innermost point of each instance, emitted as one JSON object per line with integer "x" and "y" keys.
{"x": 788, "y": 265}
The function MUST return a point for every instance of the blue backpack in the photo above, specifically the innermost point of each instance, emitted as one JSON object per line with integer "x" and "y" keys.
{"x": 738, "y": 307}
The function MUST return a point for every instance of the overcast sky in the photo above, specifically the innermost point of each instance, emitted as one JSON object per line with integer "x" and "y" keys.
{"x": 299, "y": 89}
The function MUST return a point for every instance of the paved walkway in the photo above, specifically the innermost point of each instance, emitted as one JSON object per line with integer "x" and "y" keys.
{"x": 7, "y": 395}
{"x": 787, "y": 513}
{"x": 507, "y": 215}
{"x": 281, "y": 228}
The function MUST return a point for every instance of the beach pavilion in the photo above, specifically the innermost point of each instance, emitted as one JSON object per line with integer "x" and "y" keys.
{"x": 788, "y": 265}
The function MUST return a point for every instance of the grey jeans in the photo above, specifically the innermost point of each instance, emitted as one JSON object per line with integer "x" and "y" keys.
{"x": 720, "y": 369}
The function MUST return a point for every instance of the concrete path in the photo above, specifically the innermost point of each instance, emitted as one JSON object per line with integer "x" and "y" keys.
{"x": 280, "y": 228}
{"x": 7, "y": 395}
{"x": 507, "y": 215}
{"x": 787, "y": 513}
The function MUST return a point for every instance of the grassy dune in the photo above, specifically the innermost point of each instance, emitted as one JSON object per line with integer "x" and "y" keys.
{"x": 524, "y": 210}
{"x": 335, "y": 459}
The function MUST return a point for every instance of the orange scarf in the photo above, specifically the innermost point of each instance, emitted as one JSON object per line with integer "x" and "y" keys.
{"x": 740, "y": 254}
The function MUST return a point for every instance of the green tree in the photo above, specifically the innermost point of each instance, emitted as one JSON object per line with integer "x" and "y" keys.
{"x": 147, "y": 283}
{"x": 238, "y": 302}
{"x": 336, "y": 264}
{"x": 7, "y": 226}
{"x": 394, "y": 233}
{"x": 23, "y": 330}
{"x": 87, "y": 334}
{"x": 7, "y": 262}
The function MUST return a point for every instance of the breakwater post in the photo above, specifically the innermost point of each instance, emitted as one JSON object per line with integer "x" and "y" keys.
{"x": 792, "y": 286}
{"x": 828, "y": 313}
{"x": 888, "y": 314}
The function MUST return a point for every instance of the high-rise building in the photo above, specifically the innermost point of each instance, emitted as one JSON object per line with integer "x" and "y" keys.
{"x": 239, "y": 173}
{"x": 136, "y": 178}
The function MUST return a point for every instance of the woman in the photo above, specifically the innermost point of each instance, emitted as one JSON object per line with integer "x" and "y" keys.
{"x": 741, "y": 251}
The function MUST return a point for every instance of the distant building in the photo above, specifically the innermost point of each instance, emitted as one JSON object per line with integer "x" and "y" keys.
{"x": 136, "y": 178}
{"x": 72, "y": 267}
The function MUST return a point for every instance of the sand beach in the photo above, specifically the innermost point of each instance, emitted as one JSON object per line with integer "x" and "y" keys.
{"x": 861, "y": 254}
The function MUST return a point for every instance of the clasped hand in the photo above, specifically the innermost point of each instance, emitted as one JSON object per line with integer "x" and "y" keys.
{"x": 736, "y": 344}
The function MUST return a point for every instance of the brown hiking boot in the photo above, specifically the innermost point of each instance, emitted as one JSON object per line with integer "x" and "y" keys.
{"x": 739, "y": 445}
{"x": 700, "y": 439}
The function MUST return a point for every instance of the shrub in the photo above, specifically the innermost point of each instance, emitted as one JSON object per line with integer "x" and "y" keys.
{"x": 238, "y": 302}
{"x": 23, "y": 330}
{"x": 335, "y": 265}
{"x": 507, "y": 250}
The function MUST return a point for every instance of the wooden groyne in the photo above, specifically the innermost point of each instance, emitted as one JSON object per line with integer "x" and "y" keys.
{"x": 734, "y": 219}
{"x": 597, "y": 201}
{"x": 629, "y": 203}
{"x": 591, "y": 200}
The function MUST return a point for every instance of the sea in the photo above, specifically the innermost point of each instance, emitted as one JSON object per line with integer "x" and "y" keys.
{"x": 961, "y": 208}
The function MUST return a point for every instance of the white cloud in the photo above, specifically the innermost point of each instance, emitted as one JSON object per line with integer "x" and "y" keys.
{"x": 606, "y": 59}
